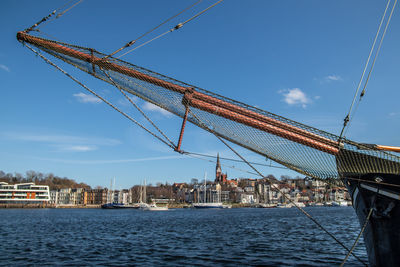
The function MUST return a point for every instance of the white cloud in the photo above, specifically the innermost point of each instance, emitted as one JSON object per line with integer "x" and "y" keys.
{"x": 77, "y": 148}
{"x": 392, "y": 114}
{"x": 111, "y": 161}
{"x": 151, "y": 107}
{"x": 84, "y": 98}
{"x": 333, "y": 78}
{"x": 295, "y": 97}
{"x": 60, "y": 139}
{"x": 4, "y": 67}
{"x": 63, "y": 142}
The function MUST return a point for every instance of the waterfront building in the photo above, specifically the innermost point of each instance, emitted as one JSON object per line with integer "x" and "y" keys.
{"x": 77, "y": 197}
{"x": 54, "y": 197}
{"x": 23, "y": 193}
{"x": 95, "y": 196}
{"x": 64, "y": 196}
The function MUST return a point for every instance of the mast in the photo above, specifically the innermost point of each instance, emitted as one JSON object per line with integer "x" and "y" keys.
{"x": 109, "y": 193}
{"x": 141, "y": 193}
{"x": 113, "y": 195}
{"x": 145, "y": 193}
{"x": 205, "y": 187}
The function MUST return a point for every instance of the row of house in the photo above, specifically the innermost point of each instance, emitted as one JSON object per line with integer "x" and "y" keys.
{"x": 81, "y": 196}
{"x": 255, "y": 191}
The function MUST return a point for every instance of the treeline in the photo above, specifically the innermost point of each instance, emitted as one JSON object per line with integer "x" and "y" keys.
{"x": 53, "y": 181}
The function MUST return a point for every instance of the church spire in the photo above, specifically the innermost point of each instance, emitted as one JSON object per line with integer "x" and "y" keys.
{"x": 218, "y": 170}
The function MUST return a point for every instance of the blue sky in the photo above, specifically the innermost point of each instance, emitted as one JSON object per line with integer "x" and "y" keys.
{"x": 298, "y": 59}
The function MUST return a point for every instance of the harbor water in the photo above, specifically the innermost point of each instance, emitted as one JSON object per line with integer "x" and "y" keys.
{"x": 226, "y": 237}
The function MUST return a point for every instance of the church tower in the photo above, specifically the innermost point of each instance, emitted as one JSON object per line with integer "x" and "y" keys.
{"x": 218, "y": 171}
{"x": 219, "y": 176}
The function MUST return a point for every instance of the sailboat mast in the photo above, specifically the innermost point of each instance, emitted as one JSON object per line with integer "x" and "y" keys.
{"x": 205, "y": 187}
{"x": 144, "y": 192}
{"x": 109, "y": 193}
{"x": 141, "y": 193}
{"x": 113, "y": 192}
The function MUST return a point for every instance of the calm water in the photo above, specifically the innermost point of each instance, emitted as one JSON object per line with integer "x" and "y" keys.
{"x": 272, "y": 237}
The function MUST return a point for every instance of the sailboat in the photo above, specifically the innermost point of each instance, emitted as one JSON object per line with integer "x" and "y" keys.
{"x": 143, "y": 205}
{"x": 208, "y": 203}
{"x": 371, "y": 173}
{"x": 112, "y": 204}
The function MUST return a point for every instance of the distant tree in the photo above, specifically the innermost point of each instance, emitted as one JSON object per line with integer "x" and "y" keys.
{"x": 18, "y": 176}
{"x": 30, "y": 175}
{"x": 194, "y": 181}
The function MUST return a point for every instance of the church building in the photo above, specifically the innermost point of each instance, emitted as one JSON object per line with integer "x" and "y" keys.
{"x": 220, "y": 177}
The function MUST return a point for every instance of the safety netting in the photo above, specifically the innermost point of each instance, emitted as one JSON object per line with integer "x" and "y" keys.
{"x": 302, "y": 148}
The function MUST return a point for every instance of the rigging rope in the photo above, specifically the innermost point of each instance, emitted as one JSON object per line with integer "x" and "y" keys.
{"x": 225, "y": 165}
{"x": 279, "y": 190}
{"x": 68, "y": 9}
{"x": 139, "y": 109}
{"x": 364, "y": 226}
{"x": 46, "y": 19}
{"x": 98, "y": 96}
{"x": 358, "y": 237}
{"x": 372, "y": 66}
{"x": 348, "y": 117}
{"x": 235, "y": 160}
{"x": 178, "y": 26}
{"x": 146, "y": 33}
{"x": 200, "y": 124}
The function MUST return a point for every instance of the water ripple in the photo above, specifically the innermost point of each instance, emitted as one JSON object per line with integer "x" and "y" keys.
{"x": 254, "y": 237}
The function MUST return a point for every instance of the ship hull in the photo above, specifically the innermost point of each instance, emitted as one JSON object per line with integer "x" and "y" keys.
{"x": 381, "y": 234}
{"x": 207, "y": 205}
{"x": 118, "y": 206}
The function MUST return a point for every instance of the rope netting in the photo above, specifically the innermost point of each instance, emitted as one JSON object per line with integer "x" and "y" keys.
{"x": 297, "y": 146}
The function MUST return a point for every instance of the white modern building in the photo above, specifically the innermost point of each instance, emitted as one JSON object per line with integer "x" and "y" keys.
{"x": 23, "y": 193}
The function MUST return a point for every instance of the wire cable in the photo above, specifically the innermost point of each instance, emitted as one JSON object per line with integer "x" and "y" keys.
{"x": 280, "y": 191}
{"x": 146, "y": 33}
{"x": 98, "y": 96}
{"x": 372, "y": 66}
{"x": 139, "y": 109}
{"x": 347, "y": 118}
{"x": 46, "y": 19}
{"x": 178, "y": 26}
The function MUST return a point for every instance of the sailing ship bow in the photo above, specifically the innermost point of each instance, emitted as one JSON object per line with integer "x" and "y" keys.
{"x": 299, "y": 147}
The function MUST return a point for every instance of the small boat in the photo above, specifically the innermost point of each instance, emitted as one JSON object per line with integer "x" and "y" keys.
{"x": 267, "y": 206}
{"x": 111, "y": 202}
{"x": 299, "y": 204}
{"x": 216, "y": 205}
{"x": 153, "y": 207}
{"x": 119, "y": 206}
{"x": 283, "y": 205}
{"x": 144, "y": 206}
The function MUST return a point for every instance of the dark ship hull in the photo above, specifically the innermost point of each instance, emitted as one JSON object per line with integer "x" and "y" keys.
{"x": 118, "y": 206}
{"x": 381, "y": 193}
{"x": 382, "y": 233}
